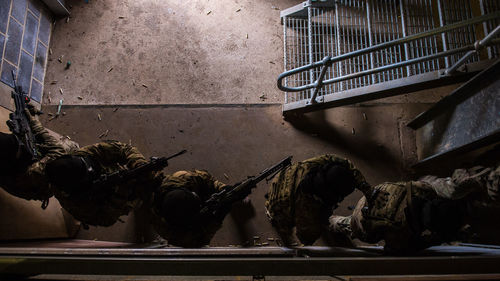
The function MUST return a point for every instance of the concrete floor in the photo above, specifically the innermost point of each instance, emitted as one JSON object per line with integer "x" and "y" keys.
{"x": 168, "y": 75}
{"x": 232, "y": 142}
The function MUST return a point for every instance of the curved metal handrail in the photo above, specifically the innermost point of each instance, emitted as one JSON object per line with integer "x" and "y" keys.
{"x": 328, "y": 61}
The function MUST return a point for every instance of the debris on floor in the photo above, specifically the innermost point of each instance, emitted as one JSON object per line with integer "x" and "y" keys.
{"x": 271, "y": 62}
{"x": 263, "y": 97}
{"x": 61, "y": 91}
{"x": 275, "y": 8}
{"x": 99, "y": 117}
{"x": 145, "y": 86}
{"x": 53, "y": 82}
{"x": 364, "y": 116}
{"x": 226, "y": 176}
{"x": 80, "y": 97}
{"x": 353, "y": 131}
{"x": 238, "y": 10}
{"x": 59, "y": 107}
{"x": 68, "y": 65}
{"x": 104, "y": 134}
{"x": 109, "y": 70}
{"x": 209, "y": 12}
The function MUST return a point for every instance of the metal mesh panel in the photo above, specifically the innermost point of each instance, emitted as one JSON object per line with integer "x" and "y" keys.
{"x": 353, "y": 35}
{"x": 385, "y": 26}
{"x": 455, "y": 11}
{"x": 417, "y": 17}
{"x": 324, "y": 43}
{"x": 488, "y": 6}
{"x": 335, "y": 27}
{"x": 296, "y": 55}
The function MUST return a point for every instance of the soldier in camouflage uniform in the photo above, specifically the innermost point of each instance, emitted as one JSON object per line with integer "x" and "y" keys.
{"x": 72, "y": 178}
{"x": 305, "y": 194}
{"x": 177, "y": 204}
{"x": 413, "y": 215}
{"x": 19, "y": 175}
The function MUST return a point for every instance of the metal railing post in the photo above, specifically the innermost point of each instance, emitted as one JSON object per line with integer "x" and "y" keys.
{"x": 309, "y": 26}
{"x": 443, "y": 35}
{"x": 370, "y": 38}
{"x": 403, "y": 25}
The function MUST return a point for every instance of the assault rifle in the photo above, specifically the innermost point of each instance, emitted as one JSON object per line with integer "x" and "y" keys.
{"x": 18, "y": 122}
{"x": 155, "y": 164}
{"x": 219, "y": 201}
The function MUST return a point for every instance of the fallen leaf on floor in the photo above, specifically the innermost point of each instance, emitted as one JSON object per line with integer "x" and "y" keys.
{"x": 238, "y": 10}
{"x": 61, "y": 91}
{"x": 145, "y": 86}
{"x": 109, "y": 70}
{"x": 209, "y": 12}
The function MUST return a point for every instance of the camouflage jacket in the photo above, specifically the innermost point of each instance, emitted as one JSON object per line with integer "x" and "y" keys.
{"x": 31, "y": 183}
{"x": 204, "y": 185}
{"x": 287, "y": 206}
{"x": 103, "y": 208}
{"x": 383, "y": 216}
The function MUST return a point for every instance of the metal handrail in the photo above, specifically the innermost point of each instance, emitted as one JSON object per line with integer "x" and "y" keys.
{"x": 407, "y": 39}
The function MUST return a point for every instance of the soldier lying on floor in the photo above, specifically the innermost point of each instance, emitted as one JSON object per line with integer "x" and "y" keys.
{"x": 413, "y": 215}
{"x": 190, "y": 206}
{"x": 23, "y": 174}
{"x": 305, "y": 194}
{"x": 77, "y": 182}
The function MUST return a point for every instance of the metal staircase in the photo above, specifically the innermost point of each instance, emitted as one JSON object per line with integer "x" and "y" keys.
{"x": 349, "y": 51}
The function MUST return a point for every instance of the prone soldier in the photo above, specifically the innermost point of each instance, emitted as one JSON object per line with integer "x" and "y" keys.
{"x": 76, "y": 182}
{"x": 22, "y": 173}
{"x": 410, "y": 216}
{"x": 305, "y": 194}
{"x": 190, "y": 206}
{"x": 177, "y": 205}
